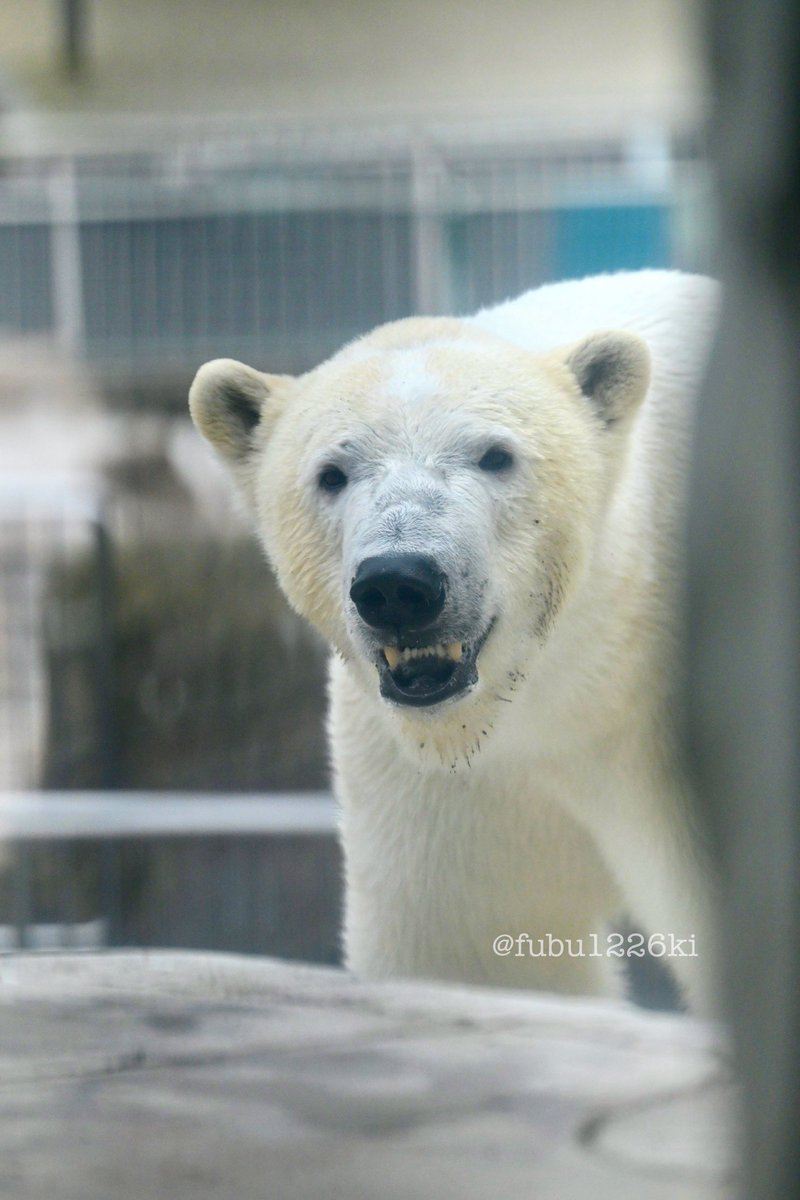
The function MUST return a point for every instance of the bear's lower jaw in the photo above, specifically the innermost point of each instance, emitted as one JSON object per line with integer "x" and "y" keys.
{"x": 428, "y": 679}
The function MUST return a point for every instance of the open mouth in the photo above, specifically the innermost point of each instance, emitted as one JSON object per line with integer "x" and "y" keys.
{"x": 424, "y": 675}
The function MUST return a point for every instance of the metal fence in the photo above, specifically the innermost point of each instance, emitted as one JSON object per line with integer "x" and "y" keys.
{"x": 283, "y": 247}
{"x": 254, "y": 874}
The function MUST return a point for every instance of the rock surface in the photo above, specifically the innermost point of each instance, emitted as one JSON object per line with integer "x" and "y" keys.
{"x": 183, "y": 1075}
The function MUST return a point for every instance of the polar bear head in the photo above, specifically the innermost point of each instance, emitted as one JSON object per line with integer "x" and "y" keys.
{"x": 429, "y": 498}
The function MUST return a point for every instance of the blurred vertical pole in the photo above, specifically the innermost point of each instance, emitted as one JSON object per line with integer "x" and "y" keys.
{"x": 744, "y": 593}
{"x": 105, "y": 681}
{"x": 106, "y": 723}
{"x": 73, "y": 20}
{"x": 66, "y": 271}
{"x": 22, "y": 890}
{"x": 66, "y": 265}
{"x": 431, "y": 265}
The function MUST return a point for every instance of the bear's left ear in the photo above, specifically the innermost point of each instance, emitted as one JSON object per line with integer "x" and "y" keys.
{"x": 613, "y": 371}
{"x": 229, "y": 401}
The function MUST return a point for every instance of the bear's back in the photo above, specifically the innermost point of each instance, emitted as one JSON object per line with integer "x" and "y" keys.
{"x": 673, "y": 311}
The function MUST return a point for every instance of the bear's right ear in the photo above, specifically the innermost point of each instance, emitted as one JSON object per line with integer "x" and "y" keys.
{"x": 612, "y": 370}
{"x": 228, "y": 402}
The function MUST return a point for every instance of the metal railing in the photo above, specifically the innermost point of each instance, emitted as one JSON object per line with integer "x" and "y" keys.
{"x": 91, "y": 870}
{"x": 286, "y": 245}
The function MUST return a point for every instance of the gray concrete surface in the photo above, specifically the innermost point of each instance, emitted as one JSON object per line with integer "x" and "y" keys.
{"x": 178, "y": 1075}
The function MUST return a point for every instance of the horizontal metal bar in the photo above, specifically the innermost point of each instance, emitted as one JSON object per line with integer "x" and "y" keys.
{"x": 230, "y": 139}
{"x": 28, "y": 816}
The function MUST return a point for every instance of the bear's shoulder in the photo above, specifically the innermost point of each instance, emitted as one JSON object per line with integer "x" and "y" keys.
{"x": 661, "y": 306}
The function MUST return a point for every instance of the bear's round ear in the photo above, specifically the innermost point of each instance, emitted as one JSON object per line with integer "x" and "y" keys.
{"x": 228, "y": 400}
{"x": 613, "y": 371}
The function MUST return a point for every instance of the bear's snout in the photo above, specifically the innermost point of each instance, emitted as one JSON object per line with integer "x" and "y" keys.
{"x": 404, "y": 593}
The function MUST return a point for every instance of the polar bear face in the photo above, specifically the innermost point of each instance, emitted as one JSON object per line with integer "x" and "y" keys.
{"x": 429, "y": 499}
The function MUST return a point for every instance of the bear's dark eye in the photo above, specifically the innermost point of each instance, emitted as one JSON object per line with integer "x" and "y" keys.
{"x": 332, "y": 479}
{"x": 496, "y": 459}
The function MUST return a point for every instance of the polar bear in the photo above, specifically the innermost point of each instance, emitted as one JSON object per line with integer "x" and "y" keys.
{"x": 483, "y": 517}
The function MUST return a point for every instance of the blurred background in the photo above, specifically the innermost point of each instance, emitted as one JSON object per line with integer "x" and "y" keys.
{"x": 262, "y": 180}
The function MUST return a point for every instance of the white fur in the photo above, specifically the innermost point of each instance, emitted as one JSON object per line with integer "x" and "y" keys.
{"x": 550, "y": 799}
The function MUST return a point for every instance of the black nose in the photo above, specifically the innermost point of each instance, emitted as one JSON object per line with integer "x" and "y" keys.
{"x": 404, "y": 592}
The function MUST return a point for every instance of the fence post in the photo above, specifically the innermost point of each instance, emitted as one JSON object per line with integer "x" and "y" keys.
{"x": 107, "y": 727}
{"x": 66, "y": 269}
{"x": 431, "y": 268}
{"x": 22, "y": 886}
{"x": 107, "y": 730}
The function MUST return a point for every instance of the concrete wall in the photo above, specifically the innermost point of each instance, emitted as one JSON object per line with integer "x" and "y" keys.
{"x": 312, "y": 59}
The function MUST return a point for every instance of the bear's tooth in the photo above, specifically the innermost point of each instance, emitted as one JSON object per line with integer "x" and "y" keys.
{"x": 392, "y": 656}
{"x": 395, "y": 655}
